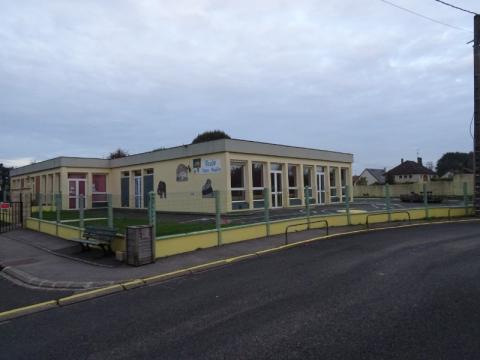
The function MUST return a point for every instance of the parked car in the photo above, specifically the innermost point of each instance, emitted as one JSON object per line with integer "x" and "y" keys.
{"x": 418, "y": 198}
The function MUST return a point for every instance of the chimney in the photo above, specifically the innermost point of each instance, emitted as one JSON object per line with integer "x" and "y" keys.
{"x": 401, "y": 161}
{"x": 419, "y": 161}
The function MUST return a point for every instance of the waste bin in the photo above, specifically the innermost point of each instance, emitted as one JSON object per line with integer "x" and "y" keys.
{"x": 140, "y": 249}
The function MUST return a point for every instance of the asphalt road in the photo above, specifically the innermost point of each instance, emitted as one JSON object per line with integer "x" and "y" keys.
{"x": 13, "y": 296}
{"x": 410, "y": 293}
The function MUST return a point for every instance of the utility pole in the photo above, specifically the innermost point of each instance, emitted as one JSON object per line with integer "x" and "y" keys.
{"x": 476, "y": 95}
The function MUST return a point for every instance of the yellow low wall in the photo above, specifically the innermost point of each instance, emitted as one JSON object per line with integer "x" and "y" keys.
{"x": 66, "y": 232}
{"x": 171, "y": 245}
{"x": 44, "y": 208}
{"x": 182, "y": 243}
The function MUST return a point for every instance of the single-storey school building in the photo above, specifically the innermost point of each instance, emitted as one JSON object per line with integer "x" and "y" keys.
{"x": 185, "y": 177}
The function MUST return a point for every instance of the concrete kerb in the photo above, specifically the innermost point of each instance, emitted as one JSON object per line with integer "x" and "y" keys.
{"x": 132, "y": 284}
{"x": 91, "y": 294}
{"x": 26, "y": 310}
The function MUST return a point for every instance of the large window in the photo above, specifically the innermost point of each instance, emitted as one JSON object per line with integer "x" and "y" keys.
{"x": 333, "y": 185}
{"x": 99, "y": 190}
{"x": 293, "y": 194}
{"x": 258, "y": 184}
{"x": 237, "y": 184}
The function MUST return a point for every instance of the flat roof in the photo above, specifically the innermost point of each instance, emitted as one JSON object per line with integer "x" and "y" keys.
{"x": 190, "y": 150}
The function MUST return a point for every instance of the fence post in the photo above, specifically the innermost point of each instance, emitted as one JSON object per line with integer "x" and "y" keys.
{"x": 388, "y": 203}
{"x": 40, "y": 206}
{"x": 307, "y": 205}
{"x": 266, "y": 206}
{"x": 81, "y": 210}
{"x": 347, "y": 204}
{"x": 152, "y": 213}
{"x": 425, "y": 201}
{"x": 110, "y": 211}
{"x": 465, "y": 197}
{"x": 58, "y": 209}
{"x": 58, "y": 205}
{"x": 218, "y": 218}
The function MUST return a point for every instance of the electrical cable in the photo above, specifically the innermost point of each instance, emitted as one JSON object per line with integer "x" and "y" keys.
{"x": 456, "y": 7}
{"x": 425, "y": 17}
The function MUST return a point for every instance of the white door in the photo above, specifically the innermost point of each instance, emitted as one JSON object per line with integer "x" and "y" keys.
{"x": 138, "y": 192}
{"x": 76, "y": 187}
{"x": 276, "y": 184}
{"x": 320, "y": 188}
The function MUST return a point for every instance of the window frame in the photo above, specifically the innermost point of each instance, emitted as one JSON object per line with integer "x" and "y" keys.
{"x": 238, "y": 189}
{"x": 258, "y": 188}
{"x": 295, "y": 187}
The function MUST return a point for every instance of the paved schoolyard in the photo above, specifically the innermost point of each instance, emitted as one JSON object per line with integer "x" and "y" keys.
{"x": 410, "y": 293}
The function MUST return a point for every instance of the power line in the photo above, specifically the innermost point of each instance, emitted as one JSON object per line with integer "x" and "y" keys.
{"x": 456, "y": 7}
{"x": 425, "y": 17}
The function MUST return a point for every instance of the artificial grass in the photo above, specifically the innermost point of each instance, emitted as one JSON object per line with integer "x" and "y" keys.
{"x": 121, "y": 222}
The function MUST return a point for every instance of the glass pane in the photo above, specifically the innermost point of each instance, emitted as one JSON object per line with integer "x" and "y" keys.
{"x": 343, "y": 176}
{"x": 279, "y": 182}
{"x": 279, "y": 197}
{"x": 238, "y": 195}
{"x": 72, "y": 188}
{"x": 99, "y": 197}
{"x": 332, "y": 177}
{"x": 293, "y": 193}
{"x": 272, "y": 182}
{"x": 81, "y": 188}
{"x": 292, "y": 175}
{"x": 274, "y": 166}
{"x": 257, "y": 194}
{"x": 307, "y": 178}
{"x": 257, "y": 174}
{"x": 72, "y": 203}
{"x": 236, "y": 175}
{"x": 99, "y": 183}
{"x": 76, "y": 176}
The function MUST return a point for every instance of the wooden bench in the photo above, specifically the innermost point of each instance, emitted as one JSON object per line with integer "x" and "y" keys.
{"x": 101, "y": 236}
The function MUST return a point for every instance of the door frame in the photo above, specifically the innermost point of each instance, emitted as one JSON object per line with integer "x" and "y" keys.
{"x": 77, "y": 192}
{"x": 135, "y": 195}
{"x": 275, "y": 191}
{"x": 319, "y": 175}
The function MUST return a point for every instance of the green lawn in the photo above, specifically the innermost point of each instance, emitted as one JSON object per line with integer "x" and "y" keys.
{"x": 121, "y": 222}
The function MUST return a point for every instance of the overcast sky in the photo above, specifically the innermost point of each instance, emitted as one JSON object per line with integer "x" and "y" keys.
{"x": 81, "y": 78}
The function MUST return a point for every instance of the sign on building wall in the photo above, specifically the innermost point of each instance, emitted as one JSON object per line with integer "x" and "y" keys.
{"x": 207, "y": 166}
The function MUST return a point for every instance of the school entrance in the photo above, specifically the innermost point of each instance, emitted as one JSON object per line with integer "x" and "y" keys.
{"x": 11, "y": 216}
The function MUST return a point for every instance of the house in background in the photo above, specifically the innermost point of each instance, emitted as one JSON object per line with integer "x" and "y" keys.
{"x": 410, "y": 172}
{"x": 371, "y": 177}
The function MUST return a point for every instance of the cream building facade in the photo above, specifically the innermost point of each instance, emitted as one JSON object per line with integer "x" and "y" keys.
{"x": 185, "y": 178}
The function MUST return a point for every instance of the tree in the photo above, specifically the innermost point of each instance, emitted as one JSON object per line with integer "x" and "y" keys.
{"x": 4, "y": 181}
{"x": 117, "y": 154}
{"x": 455, "y": 162}
{"x": 210, "y": 135}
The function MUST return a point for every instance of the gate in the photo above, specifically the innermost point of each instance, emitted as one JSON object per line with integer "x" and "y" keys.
{"x": 11, "y": 216}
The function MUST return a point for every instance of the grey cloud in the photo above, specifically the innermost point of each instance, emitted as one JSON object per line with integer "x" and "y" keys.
{"x": 82, "y": 78}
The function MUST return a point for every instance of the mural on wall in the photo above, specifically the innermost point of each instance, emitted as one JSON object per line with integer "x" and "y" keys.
{"x": 207, "y": 166}
{"x": 207, "y": 189}
{"x": 182, "y": 173}
{"x": 162, "y": 189}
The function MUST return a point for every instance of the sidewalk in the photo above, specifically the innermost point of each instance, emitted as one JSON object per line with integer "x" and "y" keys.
{"x": 44, "y": 261}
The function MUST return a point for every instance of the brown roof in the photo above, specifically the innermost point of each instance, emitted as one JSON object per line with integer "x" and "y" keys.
{"x": 410, "y": 168}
